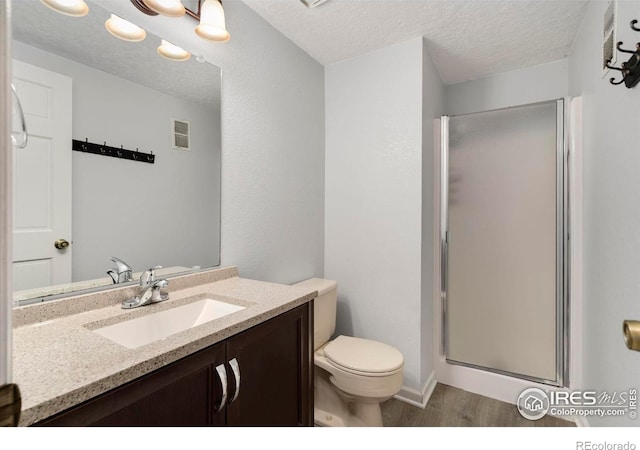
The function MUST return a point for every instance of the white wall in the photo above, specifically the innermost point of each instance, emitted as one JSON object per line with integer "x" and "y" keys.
{"x": 432, "y": 106}
{"x": 518, "y": 87}
{"x": 165, "y": 214}
{"x": 272, "y": 142}
{"x": 374, "y": 190}
{"x": 611, "y": 168}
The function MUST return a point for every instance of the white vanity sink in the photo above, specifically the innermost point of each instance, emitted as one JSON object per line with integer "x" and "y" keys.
{"x": 135, "y": 333}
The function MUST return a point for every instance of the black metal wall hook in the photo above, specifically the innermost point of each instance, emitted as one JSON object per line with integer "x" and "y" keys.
{"x": 631, "y": 68}
{"x": 609, "y": 66}
{"x": 620, "y": 49}
{"x": 121, "y": 153}
{"x": 614, "y": 82}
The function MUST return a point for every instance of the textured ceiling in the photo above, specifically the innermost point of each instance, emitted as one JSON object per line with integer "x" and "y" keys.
{"x": 86, "y": 40}
{"x": 467, "y": 39}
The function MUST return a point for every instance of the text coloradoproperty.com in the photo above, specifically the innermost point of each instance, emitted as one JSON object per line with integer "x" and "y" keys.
{"x": 600, "y": 412}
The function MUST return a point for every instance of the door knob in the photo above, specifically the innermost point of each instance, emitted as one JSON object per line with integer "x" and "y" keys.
{"x": 61, "y": 244}
{"x": 631, "y": 331}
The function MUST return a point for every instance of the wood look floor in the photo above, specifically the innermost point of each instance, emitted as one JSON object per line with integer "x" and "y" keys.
{"x": 452, "y": 407}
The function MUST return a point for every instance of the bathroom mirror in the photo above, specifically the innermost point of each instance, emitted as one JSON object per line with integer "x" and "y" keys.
{"x": 78, "y": 82}
{"x": 192, "y": 7}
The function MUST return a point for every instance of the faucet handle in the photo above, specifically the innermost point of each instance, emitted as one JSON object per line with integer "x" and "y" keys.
{"x": 149, "y": 276}
{"x": 152, "y": 273}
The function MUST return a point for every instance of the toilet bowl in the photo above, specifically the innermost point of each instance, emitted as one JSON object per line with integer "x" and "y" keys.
{"x": 352, "y": 376}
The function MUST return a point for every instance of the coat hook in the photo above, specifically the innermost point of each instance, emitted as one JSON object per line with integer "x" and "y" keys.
{"x": 122, "y": 153}
{"x": 609, "y": 66}
{"x": 631, "y": 68}
{"x": 620, "y": 49}
{"x": 612, "y": 81}
{"x": 623, "y": 70}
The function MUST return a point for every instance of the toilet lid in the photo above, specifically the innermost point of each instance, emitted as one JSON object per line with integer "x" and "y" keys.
{"x": 363, "y": 355}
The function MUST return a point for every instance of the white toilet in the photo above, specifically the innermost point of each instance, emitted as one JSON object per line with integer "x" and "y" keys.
{"x": 352, "y": 376}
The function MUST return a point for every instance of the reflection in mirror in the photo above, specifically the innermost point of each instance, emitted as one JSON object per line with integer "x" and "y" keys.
{"x": 78, "y": 82}
{"x": 192, "y": 7}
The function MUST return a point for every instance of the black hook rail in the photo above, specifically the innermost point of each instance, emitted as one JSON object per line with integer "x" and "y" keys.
{"x": 114, "y": 152}
{"x": 630, "y": 69}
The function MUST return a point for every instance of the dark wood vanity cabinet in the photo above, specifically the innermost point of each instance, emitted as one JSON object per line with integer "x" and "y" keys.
{"x": 274, "y": 366}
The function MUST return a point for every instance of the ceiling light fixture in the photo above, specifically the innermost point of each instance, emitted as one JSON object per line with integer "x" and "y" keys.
{"x": 171, "y": 8}
{"x": 212, "y": 22}
{"x": 75, "y": 8}
{"x": 143, "y": 8}
{"x": 125, "y": 30}
{"x": 173, "y": 52}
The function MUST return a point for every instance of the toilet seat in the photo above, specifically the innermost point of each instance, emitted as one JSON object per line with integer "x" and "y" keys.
{"x": 363, "y": 357}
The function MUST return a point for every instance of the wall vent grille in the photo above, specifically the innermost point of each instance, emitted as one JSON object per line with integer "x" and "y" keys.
{"x": 181, "y": 134}
{"x": 609, "y": 36}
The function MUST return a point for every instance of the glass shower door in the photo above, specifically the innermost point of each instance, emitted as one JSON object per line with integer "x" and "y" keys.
{"x": 503, "y": 241}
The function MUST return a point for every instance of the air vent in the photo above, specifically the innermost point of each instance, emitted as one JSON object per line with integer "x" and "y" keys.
{"x": 609, "y": 36}
{"x": 181, "y": 136}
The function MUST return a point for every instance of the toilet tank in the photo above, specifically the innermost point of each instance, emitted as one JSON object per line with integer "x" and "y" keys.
{"x": 324, "y": 309}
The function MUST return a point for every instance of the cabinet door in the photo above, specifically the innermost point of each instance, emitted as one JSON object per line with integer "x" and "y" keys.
{"x": 185, "y": 393}
{"x": 275, "y": 372}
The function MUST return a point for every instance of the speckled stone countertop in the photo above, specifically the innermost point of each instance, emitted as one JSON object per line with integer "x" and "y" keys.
{"x": 59, "y": 362}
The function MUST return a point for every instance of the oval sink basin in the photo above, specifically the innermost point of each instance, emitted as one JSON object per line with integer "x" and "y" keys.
{"x": 135, "y": 333}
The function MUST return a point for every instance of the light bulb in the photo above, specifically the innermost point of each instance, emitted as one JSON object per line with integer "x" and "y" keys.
{"x": 173, "y": 52}
{"x": 171, "y": 8}
{"x": 75, "y": 8}
{"x": 212, "y": 22}
{"x": 124, "y": 30}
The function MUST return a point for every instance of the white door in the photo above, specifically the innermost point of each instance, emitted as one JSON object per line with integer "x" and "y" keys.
{"x": 42, "y": 180}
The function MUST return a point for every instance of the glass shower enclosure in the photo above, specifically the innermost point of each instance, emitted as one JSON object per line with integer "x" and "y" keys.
{"x": 503, "y": 241}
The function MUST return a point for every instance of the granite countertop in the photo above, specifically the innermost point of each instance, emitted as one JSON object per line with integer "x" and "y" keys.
{"x": 59, "y": 362}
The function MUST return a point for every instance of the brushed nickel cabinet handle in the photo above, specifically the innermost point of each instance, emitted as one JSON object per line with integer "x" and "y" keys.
{"x": 236, "y": 373}
{"x": 222, "y": 375}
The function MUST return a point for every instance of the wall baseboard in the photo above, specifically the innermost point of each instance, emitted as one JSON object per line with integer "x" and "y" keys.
{"x": 415, "y": 397}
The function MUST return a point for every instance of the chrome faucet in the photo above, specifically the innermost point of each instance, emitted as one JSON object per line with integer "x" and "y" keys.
{"x": 122, "y": 273}
{"x": 150, "y": 290}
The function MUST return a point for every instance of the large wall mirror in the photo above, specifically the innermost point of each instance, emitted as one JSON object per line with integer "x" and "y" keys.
{"x": 77, "y": 82}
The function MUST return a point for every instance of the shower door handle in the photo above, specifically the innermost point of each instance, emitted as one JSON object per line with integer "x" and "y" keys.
{"x": 444, "y": 264}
